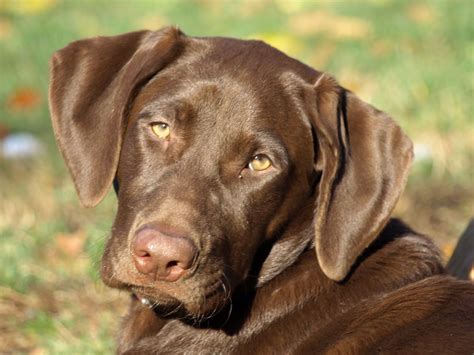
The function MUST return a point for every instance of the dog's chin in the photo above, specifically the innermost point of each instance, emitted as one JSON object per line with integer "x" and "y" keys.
{"x": 196, "y": 299}
{"x": 194, "y": 308}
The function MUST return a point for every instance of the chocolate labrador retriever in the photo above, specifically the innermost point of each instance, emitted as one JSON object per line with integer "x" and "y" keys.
{"x": 254, "y": 202}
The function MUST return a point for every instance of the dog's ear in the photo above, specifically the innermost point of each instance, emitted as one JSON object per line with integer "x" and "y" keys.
{"x": 92, "y": 85}
{"x": 363, "y": 158}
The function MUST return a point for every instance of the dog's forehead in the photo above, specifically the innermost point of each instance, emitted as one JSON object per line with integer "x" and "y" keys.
{"x": 254, "y": 64}
{"x": 246, "y": 56}
{"x": 226, "y": 78}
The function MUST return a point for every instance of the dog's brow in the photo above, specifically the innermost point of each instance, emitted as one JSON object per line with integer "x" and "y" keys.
{"x": 144, "y": 114}
{"x": 275, "y": 146}
{"x": 151, "y": 111}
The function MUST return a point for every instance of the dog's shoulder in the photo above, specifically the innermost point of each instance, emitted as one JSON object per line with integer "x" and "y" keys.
{"x": 398, "y": 264}
{"x": 398, "y": 256}
{"x": 398, "y": 299}
{"x": 431, "y": 315}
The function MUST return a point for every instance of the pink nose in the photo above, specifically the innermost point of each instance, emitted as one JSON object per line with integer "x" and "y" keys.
{"x": 166, "y": 257}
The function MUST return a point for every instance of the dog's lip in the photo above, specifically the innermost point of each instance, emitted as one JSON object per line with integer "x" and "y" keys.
{"x": 143, "y": 300}
{"x": 140, "y": 292}
{"x": 147, "y": 302}
{"x": 148, "y": 297}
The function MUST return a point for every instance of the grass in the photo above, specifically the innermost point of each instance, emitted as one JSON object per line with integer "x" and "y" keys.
{"x": 413, "y": 60}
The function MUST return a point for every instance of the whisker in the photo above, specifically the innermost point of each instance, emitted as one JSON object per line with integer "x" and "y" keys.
{"x": 173, "y": 311}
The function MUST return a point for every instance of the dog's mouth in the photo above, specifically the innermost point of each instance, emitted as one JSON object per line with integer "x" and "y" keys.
{"x": 144, "y": 301}
{"x": 199, "y": 304}
{"x": 147, "y": 297}
{"x": 162, "y": 306}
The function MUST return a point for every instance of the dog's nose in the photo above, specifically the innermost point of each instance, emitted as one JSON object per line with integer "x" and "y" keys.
{"x": 166, "y": 257}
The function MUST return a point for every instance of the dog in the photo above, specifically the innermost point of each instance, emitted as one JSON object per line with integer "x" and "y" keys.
{"x": 254, "y": 202}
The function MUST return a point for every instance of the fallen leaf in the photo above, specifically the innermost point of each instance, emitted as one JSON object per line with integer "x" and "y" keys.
{"x": 28, "y": 7}
{"x": 37, "y": 351}
{"x": 358, "y": 82}
{"x": 421, "y": 13}
{"x": 23, "y": 99}
{"x": 323, "y": 53}
{"x": 5, "y": 28}
{"x": 332, "y": 25}
{"x": 152, "y": 22}
{"x": 4, "y": 131}
{"x": 448, "y": 249}
{"x": 71, "y": 244}
{"x": 251, "y": 7}
{"x": 402, "y": 206}
{"x": 286, "y": 43}
{"x": 381, "y": 47}
{"x": 290, "y": 6}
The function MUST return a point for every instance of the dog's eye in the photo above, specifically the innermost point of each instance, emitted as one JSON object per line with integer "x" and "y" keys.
{"x": 260, "y": 162}
{"x": 161, "y": 129}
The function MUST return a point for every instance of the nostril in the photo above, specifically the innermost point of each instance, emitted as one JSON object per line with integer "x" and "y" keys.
{"x": 172, "y": 264}
{"x": 142, "y": 254}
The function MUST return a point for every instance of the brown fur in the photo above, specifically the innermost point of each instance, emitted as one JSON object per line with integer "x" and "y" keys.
{"x": 339, "y": 166}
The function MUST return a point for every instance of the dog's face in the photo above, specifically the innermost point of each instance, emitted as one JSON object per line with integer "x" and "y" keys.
{"x": 216, "y": 145}
{"x": 218, "y": 174}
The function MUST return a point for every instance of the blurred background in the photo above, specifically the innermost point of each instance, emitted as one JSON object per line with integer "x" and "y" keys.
{"x": 413, "y": 59}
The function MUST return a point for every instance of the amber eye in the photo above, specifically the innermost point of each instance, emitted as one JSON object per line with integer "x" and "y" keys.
{"x": 161, "y": 129}
{"x": 260, "y": 162}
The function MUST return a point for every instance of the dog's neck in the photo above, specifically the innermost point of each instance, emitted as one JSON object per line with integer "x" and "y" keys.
{"x": 295, "y": 239}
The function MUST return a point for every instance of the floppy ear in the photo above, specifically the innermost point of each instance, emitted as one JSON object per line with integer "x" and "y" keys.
{"x": 363, "y": 159}
{"x": 92, "y": 84}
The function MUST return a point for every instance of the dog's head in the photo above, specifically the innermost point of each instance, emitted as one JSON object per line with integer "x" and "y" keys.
{"x": 216, "y": 145}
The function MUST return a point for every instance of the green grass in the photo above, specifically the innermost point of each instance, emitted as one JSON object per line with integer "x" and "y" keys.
{"x": 414, "y": 61}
